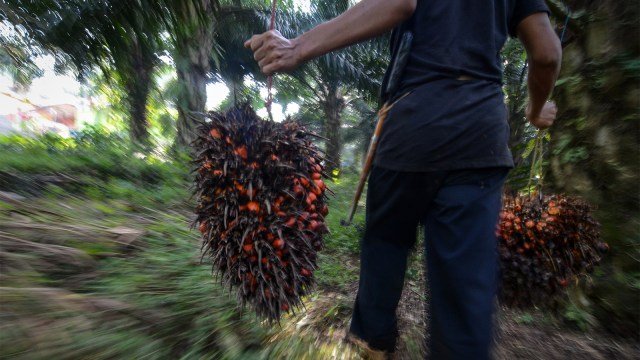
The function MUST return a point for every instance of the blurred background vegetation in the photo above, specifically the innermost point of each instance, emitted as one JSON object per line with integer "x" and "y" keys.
{"x": 96, "y": 254}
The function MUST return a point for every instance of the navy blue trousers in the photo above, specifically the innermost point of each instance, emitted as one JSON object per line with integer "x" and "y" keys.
{"x": 459, "y": 210}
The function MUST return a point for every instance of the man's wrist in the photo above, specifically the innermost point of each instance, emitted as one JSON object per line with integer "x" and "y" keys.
{"x": 301, "y": 49}
{"x": 529, "y": 114}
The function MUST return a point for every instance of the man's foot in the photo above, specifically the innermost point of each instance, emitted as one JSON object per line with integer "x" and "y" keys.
{"x": 367, "y": 352}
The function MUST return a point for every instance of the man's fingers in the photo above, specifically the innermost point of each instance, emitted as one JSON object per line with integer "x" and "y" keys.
{"x": 249, "y": 44}
{"x": 256, "y": 42}
{"x": 269, "y": 60}
{"x": 260, "y": 53}
{"x": 271, "y": 68}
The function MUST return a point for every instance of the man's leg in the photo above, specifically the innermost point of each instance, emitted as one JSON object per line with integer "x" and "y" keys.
{"x": 395, "y": 201}
{"x": 462, "y": 262}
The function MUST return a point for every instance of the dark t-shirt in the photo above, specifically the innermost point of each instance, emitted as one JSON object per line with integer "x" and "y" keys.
{"x": 446, "y": 123}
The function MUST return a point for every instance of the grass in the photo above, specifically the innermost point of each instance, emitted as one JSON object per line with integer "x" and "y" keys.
{"x": 337, "y": 264}
{"x": 72, "y": 289}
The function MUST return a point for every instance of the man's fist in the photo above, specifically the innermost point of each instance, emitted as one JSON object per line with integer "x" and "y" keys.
{"x": 273, "y": 52}
{"x": 546, "y": 117}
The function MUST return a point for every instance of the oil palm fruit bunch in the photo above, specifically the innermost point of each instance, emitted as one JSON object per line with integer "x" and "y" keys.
{"x": 545, "y": 244}
{"x": 261, "y": 203}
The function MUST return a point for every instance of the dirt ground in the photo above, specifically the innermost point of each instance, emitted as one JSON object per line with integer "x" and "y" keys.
{"x": 532, "y": 338}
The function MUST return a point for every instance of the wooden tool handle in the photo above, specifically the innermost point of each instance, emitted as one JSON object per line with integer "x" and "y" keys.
{"x": 382, "y": 115}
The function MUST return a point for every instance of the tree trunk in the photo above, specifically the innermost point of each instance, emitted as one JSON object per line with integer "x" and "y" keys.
{"x": 594, "y": 148}
{"x": 333, "y": 106}
{"x": 192, "y": 99}
{"x": 194, "y": 47}
{"x": 137, "y": 85}
{"x": 138, "y": 122}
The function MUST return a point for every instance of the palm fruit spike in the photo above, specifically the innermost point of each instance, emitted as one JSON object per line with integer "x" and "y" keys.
{"x": 261, "y": 207}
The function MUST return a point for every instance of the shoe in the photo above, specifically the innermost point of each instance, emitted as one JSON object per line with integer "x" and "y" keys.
{"x": 368, "y": 352}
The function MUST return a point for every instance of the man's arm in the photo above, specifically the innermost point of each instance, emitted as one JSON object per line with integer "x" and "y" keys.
{"x": 544, "y": 52}
{"x": 365, "y": 20}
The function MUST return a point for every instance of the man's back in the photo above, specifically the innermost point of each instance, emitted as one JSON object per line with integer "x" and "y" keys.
{"x": 462, "y": 37}
{"x": 455, "y": 118}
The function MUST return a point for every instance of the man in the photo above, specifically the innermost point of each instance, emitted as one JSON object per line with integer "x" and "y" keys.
{"x": 442, "y": 157}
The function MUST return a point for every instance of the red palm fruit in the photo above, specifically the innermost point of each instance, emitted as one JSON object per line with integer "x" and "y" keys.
{"x": 313, "y": 225}
{"x": 311, "y": 208}
{"x": 278, "y": 244}
{"x": 316, "y": 176}
{"x": 274, "y": 157}
{"x": 264, "y": 260}
{"x": 281, "y": 214}
{"x": 238, "y": 186}
{"x": 529, "y": 224}
{"x": 215, "y": 133}
{"x": 311, "y": 198}
{"x": 253, "y": 206}
{"x": 291, "y": 222}
{"x": 324, "y": 210}
{"x": 305, "y": 272}
{"x": 284, "y": 307}
{"x": 317, "y": 168}
{"x": 298, "y": 190}
{"x": 320, "y": 184}
{"x": 304, "y": 182}
{"x": 248, "y": 248}
{"x": 242, "y": 152}
{"x": 203, "y": 227}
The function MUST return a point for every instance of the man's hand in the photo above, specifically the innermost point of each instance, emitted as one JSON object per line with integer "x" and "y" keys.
{"x": 546, "y": 117}
{"x": 274, "y": 52}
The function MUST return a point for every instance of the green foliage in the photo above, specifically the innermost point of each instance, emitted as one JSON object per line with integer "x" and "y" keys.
{"x": 92, "y": 158}
{"x": 336, "y": 267}
{"x": 578, "y": 317}
{"x": 16, "y": 57}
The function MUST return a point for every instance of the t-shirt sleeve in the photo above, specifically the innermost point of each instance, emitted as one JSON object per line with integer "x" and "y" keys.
{"x": 522, "y": 9}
